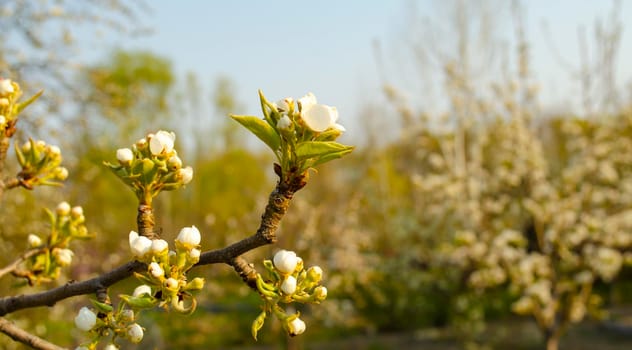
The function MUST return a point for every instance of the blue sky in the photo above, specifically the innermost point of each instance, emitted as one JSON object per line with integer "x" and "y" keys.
{"x": 287, "y": 48}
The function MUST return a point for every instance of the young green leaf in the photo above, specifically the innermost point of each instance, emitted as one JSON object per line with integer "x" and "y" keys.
{"x": 261, "y": 129}
{"x": 311, "y": 149}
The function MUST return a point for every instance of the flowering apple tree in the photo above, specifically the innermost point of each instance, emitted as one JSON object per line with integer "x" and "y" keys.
{"x": 301, "y": 134}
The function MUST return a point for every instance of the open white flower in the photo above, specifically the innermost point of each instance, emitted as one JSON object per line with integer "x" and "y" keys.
{"x": 289, "y": 285}
{"x": 189, "y": 236}
{"x": 86, "y": 319}
{"x": 318, "y": 117}
{"x": 124, "y": 156}
{"x": 135, "y": 333}
{"x": 285, "y": 261}
{"x": 162, "y": 141}
{"x": 140, "y": 245}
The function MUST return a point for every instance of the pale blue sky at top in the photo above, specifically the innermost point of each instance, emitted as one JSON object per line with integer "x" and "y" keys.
{"x": 287, "y": 48}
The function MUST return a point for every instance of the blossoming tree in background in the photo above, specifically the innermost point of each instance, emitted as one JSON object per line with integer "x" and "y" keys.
{"x": 302, "y": 135}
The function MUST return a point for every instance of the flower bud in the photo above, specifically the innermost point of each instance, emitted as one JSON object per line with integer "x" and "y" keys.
{"x": 63, "y": 209}
{"x": 155, "y": 270}
{"x": 54, "y": 151}
{"x": 142, "y": 290}
{"x": 126, "y": 315}
{"x": 159, "y": 246}
{"x": 189, "y": 237}
{"x": 124, "y": 156}
{"x": 171, "y": 283}
{"x": 194, "y": 254}
{"x": 296, "y": 327}
{"x": 110, "y": 347}
{"x": 285, "y": 261}
{"x": 196, "y": 284}
{"x": 185, "y": 175}
{"x": 86, "y": 319}
{"x": 61, "y": 173}
{"x": 161, "y": 142}
{"x": 6, "y": 87}
{"x": 3, "y": 120}
{"x": 315, "y": 274}
{"x": 34, "y": 241}
{"x": 320, "y": 293}
{"x": 174, "y": 162}
{"x": 135, "y": 333}
{"x": 63, "y": 257}
{"x": 284, "y": 104}
{"x": 284, "y": 123}
{"x": 76, "y": 212}
{"x": 289, "y": 285}
{"x": 139, "y": 245}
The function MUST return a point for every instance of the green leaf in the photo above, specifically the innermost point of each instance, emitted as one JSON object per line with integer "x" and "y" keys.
{"x": 21, "y": 106}
{"x": 140, "y": 302}
{"x": 311, "y": 149}
{"x": 332, "y": 156}
{"x": 261, "y": 129}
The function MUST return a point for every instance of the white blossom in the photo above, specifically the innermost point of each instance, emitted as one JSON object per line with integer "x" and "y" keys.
{"x": 289, "y": 285}
{"x": 63, "y": 208}
{"x": 189, "y": 236}
{"x": 161, "y": 142}
{"x": 63, "y": 256}
{"x": 155, "y": 270}
{"x": 159, "y": 246}
{"x": 296, "y": 327}
{"x": 135, "y": 333}
{"x": 139, "y": 245}
{"x": 124, "y": 156}
{"x": 185, "y": 175}
{"x": 86, "y": 319}
{"x": 285, "y": 261}
{"x": 6, "y": 87}
{"x": 34, "y": 241}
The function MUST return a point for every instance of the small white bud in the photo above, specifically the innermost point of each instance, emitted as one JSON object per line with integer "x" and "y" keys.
{"x": 296, "y": 327}
{"x": 34, "y": 241}
{"x": 124, "y": 156}
{"x": 6, "y": 87}
{"x": 135, "y": 333}
{"x": 110, "y": 347}
{"x": 127, "y": 315}
{"x": 86, "y": 319}
{"x": 61, "y": 173}
{"x": 63, "y": 209}
{"x": 185, "y": 175}
{"x": 315, "y": 274}
{"x": 4, "y": 102}
{"x": 284, "y": 123}
{"x": 76, "y": 212}
{"x": 159, "y": 246}
{"x": 175, "y": 162}
{"x": 289, "y": 285}
{"x": 139, "y": 245}
{"x": 63, "y": 256}
{"x": 285, "y": 261}
{"x": 161, "y": 142}
{"x": 320, "y": 293}
{"x": 189, "y": 236}
{"x": 171, "y": 283}
{"x": 194, "y": 254}
{"x": 54, "y": 150}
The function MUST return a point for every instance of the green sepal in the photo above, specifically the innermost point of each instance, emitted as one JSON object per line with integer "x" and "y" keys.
{"x": 144, "y": 279}
{"x": 20, "y": 106}
{"x": 19, "y": 155}
{"x": 257, "y": 324}
{"x": 261, "y": 129}
{"x": 103, "y": 307}
{"x": 312, "y": 149}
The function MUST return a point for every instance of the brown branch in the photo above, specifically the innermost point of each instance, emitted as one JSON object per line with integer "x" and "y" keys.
{"x": 25, "y": 337}
{"x": 52, "y": 296}
{"x": 12, "y": 266}
{"x": 277, "y": 206}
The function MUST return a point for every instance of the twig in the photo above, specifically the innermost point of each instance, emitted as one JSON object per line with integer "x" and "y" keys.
{"x": 25, "y": 337}
{"x": 12, "y": 266}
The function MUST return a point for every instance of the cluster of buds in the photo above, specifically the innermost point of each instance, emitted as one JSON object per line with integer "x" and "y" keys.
{"x": 151, "y": 165}
{"x": 165, "y": 285}
{"x": 289, "y": 282}
{"x": 40, "y": 164}
{"x": 105, "y": 322}
{"x": 167, "y": 271}
{"x": 53, "y": 253}
{"x": 301, "y": 134}
{"x": 10, "y": 93}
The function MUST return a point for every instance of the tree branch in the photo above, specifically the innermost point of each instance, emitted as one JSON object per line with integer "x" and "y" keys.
{"x": 12, "y": 266}
{"x": 277, "y": 206}
{"x": 25, "y": 337}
